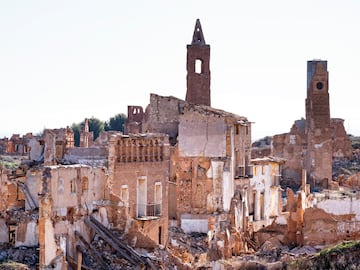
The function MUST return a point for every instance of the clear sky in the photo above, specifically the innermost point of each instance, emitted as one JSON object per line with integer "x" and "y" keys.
{"x": 63, "y": 61}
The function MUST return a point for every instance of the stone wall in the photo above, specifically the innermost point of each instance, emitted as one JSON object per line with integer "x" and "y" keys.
{"x": 162, "y": 116}
{"x": 292, "y": 147}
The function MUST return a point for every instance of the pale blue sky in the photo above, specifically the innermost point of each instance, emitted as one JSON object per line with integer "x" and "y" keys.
{"x": 62, "y": 61}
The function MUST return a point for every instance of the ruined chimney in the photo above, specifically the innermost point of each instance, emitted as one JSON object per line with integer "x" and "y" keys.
{"x": 198, "y": 69}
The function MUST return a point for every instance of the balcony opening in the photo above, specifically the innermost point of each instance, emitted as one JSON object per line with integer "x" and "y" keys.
{"x": 141, "y": 197}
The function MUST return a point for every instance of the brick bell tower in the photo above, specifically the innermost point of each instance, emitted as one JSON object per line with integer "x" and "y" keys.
{"x": 317, "y": 101}
{"x": 198, "y": 69}
{"x": 319, "y": 134}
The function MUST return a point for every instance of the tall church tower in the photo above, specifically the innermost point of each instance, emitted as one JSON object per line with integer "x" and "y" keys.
{"x": 317, "y": 101}
{"x": 198, "y": 69}
{"x": 318, "y": 129}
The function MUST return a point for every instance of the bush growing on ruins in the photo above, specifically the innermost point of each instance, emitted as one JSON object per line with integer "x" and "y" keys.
{"x": 8, "y": 163}
{"x": 116, "y": 123}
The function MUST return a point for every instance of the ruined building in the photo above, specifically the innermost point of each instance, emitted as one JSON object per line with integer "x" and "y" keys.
{"x": 312, "y": 143}
{"x": 16, "y": 145}
{"x": 210, "y": 147}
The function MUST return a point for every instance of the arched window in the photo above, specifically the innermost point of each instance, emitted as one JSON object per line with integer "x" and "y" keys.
{"x": 198, "y": 66}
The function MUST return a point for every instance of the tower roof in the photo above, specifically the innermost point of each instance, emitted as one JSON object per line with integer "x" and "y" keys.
{"x": 198, "y": 36}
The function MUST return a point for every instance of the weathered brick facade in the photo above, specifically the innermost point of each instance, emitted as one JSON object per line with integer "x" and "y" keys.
{"x": 139, "y": 166}
{"x": 313, "y": 143}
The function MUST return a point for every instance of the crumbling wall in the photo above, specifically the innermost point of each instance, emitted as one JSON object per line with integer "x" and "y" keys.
{"x": 75, "y": 189}
{"x": 162, "y": 116}
{"x": 319, "y": 157}
{"x": 341, "y": 142}
{"x": 10, "y": 195}
{"x": 339, "y": 204}
{"x": 201, "y": 135}
{"x": 36, "y": 149}
{"x": 139, "y": 166}
{"x": 135, "y": 119}
{"x": 265, "y": 191}
{"x": 27, "y": 234}
{"x": 198, "y": 191}
{"x": 323, "y": 228}
{"x": 67, "y": 194}
{"x": 292, "y": 147}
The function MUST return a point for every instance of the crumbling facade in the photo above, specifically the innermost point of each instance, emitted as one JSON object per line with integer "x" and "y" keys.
{"x": 265, "y": 200}
{"x": 213, "y": 149}
{"x": 139, "y": 175}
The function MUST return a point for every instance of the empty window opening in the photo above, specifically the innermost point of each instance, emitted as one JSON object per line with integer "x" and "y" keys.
{"x": 12, "y": 234}
{"x": 158, "y": 198}
{"x": 72, "y": 186}
{"x": 124, "y": 195}
{"x": 141, "y": 197}
{"x": 262, "y": 206}
{"x": 160, "y": 233}
{"x": 85, "y": 183}
{"x": 198, "y": 66}
{"x": 237, "y": 129}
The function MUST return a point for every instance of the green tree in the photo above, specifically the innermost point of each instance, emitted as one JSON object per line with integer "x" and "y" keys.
{"x": 96, "y": 126}
{"x": 116, "y": 123}
{"x": 77, "y": 129}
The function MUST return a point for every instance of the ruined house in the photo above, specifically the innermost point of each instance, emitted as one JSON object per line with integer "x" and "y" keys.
{"x": 138, "y": 179}
{"x": 312, "y": 143}
{"x": 16, "y": 145}
{"x": 265, "y": 193}
{"x": 119, "y": 183}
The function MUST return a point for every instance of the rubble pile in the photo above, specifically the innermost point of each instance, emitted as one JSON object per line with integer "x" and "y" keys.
{"x": 28, "y": 256}
{"x": 190, "y": 249}
{"x": 109, "y": 256}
